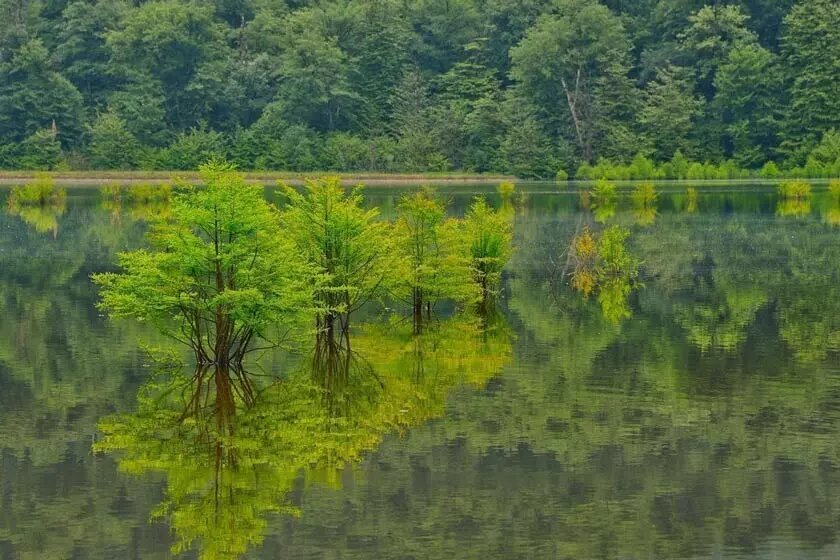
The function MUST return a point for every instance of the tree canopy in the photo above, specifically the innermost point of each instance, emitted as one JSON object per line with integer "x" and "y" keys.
{"x": 525, "y": 87}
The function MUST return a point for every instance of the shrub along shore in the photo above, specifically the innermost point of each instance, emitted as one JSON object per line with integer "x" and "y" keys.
{"x": 702, "y": 174}
{"x": 71, "y": 178}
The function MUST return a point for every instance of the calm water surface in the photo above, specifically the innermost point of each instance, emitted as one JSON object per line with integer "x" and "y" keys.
{"x": 692, "y": 415}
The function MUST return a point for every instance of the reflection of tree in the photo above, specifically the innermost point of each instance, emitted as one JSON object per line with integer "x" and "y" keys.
{"x": 603, "y": 265}
{"x": 61, "y": 368}
{"x": 43, "y": 217}
{"x": 604, "y": 442}
{"x": 227, "y": 467}
{"x": 794, "y": 207}
{"x": 147, "y": 204}
{"x": 645, "y": 199}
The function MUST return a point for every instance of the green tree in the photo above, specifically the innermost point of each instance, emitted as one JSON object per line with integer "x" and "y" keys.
{"x": 81, "y": 50}
{"x": 810, "y": 51}
{"x": 669, "y": 112}
{"x": 41, "y": 150}
{"x": 190, "y": 149}
{"x": 169, "y": 42}
{"x": 111, "y": 145}
{"x": 572, "y": 64}
{"x": 220, "y": 277}
{"x": 33, "y": 96}
{"x": 433, "y": 264}
{"x": 489, "y": 234}
{"x": 413, "y": 122}
{"x": 748, "y": 100}
{"x": 141, "y": 104}
{"x": 314, "y": 75}
{"x": 345, "y": 246}
{"x": 713, "y": 32}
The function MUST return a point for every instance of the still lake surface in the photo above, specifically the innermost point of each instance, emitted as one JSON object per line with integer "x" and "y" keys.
{"x": 697, "y": 416}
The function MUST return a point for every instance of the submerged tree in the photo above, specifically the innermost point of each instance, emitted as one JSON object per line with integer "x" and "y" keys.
{"x": 490, "y": 236}
{"x": 433, "y": 265}
{"x": 219, "y": 277}
{"x": 344, "y": 245}
{"x": 602, "y": 265}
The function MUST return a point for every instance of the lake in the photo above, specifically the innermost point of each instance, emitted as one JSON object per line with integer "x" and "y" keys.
{"x": 692, "y": 413}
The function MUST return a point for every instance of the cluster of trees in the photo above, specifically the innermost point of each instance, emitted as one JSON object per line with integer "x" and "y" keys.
{"x": 229, "y": 274}
{"x": 527, "y": 87}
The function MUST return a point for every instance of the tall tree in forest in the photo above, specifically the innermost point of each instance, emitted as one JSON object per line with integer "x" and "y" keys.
{"x": 713, "y": 32}
{"x": 81, "y": 48}
{"x": 571, "y": 64}
{"x": 314, "y": 75}
{"x": 33, "y": 97}
{"x": 811, "y": 53}
{"x": 433, "y": 264}
{"x": 669, "y": 111}
{"x": 169, "y": 43}
{"x": 748, "y": 97}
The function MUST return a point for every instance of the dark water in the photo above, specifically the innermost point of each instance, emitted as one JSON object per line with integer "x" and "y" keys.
{"x": 696, "y": 416}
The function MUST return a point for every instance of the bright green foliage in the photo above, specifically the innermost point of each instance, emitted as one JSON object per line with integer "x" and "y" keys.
{"x": 221, "y": 485}
{"x": 834, "y": 188}
{"x": 146, "y": 193}
{"x": 220, "y": 276}
{"x": 489, "y": 234}
{"x": 347, "y": 249}
{"x": 602, "y": 265}
{"x": 644, "y": 194}
{"x": 41, "y": 192}
{"x": 561, "y": 176}
{"x": 644, "y": 197}
{"x": 796, "y": 190}
{"x": 506, "y": 189}
{"x": 769, "y": 170}
{"x": 39, "y": 204}
{"x": 691, "y": 200}
{"x": 432, "y": 264}
{"x": 604, "y": 192}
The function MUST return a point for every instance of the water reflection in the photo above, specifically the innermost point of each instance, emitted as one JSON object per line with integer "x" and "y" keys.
{"x": 232, "y": 451}
{"x": 706, "y": 425}
{"x": 39, "y": 206}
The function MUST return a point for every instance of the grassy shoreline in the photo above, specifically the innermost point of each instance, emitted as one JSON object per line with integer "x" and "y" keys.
{"x": 70, "y": 178}
{"x": 129, "y": 178}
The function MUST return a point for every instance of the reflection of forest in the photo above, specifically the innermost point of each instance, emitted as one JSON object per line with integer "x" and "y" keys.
{"x": 708, "y": 420}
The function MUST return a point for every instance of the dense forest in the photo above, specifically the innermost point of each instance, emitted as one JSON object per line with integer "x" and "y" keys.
{"x": 526, "y": 87}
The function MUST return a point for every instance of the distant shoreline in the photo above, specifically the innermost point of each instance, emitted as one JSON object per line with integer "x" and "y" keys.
{"x": 87, "y": 178}
{"x": 128, "y": 178}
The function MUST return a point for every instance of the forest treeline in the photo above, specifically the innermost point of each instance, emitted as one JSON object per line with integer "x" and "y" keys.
{"x": 526, "y": 87}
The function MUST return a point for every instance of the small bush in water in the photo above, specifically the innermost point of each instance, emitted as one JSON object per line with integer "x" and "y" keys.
{"x": 795, "y": 190}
